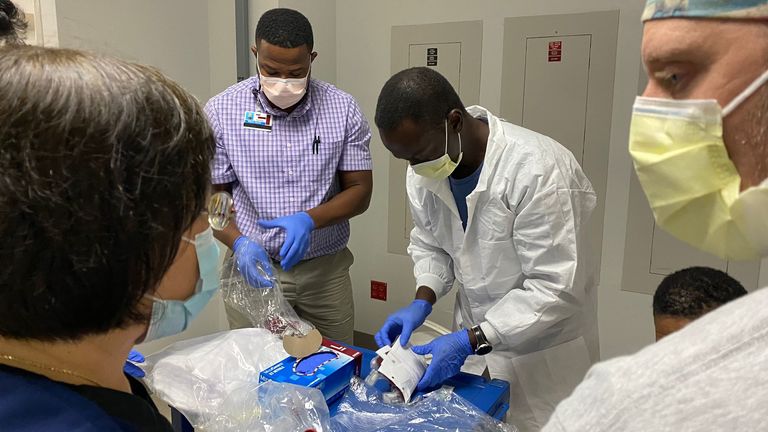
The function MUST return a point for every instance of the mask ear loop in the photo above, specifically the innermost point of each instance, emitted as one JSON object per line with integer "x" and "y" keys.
{"x": 446, "y": 137}
{"x": 459, "y": 135}
{"x": 446, "y": 142}
{"x": 746, "y": 94}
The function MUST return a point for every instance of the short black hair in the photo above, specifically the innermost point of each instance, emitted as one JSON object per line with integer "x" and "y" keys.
{"x": 105, "y": 165}
{"x": 286, "y": 28}
{"x": 13, "y": 25}
{"x": 694, "y": 291}
{"x": 420, "y": 94}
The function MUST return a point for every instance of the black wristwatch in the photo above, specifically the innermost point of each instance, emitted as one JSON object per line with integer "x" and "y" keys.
{"x": 483, "y": 347}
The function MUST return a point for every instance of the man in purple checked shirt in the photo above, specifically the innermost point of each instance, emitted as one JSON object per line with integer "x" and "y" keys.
{"x": 294, "y": 152}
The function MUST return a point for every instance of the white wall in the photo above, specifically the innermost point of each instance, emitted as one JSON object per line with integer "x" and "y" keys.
{"x": 222, "y": 46}
{"x": 171, "y": 35}
{"x": 363, "y": 52}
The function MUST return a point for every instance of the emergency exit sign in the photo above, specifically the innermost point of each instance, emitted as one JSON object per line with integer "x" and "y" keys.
{"x": 555, "y": 51}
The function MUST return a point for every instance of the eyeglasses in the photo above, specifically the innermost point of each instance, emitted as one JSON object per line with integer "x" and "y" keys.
{"x": 221, "y": 209}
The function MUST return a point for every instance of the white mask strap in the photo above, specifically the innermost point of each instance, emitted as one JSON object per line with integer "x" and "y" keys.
{"x": 446, "y": 137}
{"x": 749, "y": 91}
{"x": 459, "y": 135}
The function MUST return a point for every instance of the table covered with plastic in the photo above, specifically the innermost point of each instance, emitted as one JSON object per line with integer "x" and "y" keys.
{"x": 212, "y": 383}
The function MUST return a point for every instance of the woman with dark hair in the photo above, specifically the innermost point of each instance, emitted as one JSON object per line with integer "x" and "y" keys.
{"x": 105, "y": 167}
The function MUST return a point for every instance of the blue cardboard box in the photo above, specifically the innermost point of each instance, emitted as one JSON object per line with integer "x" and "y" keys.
{"x": 329, "y": 369}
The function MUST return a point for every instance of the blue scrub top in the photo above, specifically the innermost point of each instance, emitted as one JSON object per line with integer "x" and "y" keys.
{"x": 461, "y": 188}
{"x": 31, "y": 402}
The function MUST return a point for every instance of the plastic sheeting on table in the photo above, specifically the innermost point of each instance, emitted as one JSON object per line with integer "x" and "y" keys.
{"x": 272, "y": 407}
{"x": 196, "y": 376}
{"x": 363, "y": 409}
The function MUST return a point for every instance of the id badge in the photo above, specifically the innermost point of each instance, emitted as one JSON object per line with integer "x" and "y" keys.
{"x": 258, "y": 121}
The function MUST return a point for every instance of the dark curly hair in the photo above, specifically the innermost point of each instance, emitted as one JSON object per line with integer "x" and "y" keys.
{"x": 105, "y": 164}
{"x": 285, "y": 28}
{"x": 694, "y": 291}
{"x": 419, "y": 94}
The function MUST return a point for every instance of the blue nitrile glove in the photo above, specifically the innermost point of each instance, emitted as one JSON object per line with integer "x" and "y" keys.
{"x": 250, "y": 256}
{"x": 298, "y": 227}
{"x": 448, "y": 355}
{"x": 130, "y": 368}
{"x": 403, "y": 322}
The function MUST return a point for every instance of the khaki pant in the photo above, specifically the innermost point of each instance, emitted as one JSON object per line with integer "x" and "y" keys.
{"x": 320, "y": 290}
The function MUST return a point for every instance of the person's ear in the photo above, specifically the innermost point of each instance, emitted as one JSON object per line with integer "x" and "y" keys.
{"x": 255, "y": 50}
{"x": 312, "y": 56}
{"x": 456, "y": 120}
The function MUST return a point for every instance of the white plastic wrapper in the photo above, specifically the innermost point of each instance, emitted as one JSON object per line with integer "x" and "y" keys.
{"x": 196, "y": 376}
{"x": 265, "y": 307}
{"x": 402, "y": 367}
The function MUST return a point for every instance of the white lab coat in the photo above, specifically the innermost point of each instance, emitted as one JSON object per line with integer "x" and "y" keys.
{"x": 520, "y": 265}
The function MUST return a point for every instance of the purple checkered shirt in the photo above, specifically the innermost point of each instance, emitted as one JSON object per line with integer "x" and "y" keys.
{"x": 276, "y": 173}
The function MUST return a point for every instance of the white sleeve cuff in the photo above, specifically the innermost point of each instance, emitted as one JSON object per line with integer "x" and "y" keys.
{"x": 433, "y": 282}
{"x": 490, "y": 333}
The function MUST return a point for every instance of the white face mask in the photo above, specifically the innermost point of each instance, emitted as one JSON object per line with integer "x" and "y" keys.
{"x": 284, "y": 92}
{"x": 441, "y": 167}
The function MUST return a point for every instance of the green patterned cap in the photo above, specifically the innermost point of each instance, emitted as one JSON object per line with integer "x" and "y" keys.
{"x": 735, "y": 9}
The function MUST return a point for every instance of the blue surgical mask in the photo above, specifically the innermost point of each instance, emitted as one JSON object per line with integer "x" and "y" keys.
{"x": 170, "y": 317}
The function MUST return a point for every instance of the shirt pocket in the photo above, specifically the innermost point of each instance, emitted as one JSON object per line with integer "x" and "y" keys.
{"x": 319, "y": 161}
{"x": 495, "y": 221}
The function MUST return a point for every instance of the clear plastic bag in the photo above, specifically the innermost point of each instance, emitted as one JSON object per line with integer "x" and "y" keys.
{"x": 363, "y": 408}
{"x": 265, "y": 307}
{"x": 196, "y": 376}
{"x": 272, "y": 406}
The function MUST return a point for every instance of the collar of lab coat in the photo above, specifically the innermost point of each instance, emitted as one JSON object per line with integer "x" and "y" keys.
{"x": 495, "y": 146}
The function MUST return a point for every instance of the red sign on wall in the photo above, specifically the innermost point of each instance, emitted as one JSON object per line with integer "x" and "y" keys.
{"x": 555, "y": 53}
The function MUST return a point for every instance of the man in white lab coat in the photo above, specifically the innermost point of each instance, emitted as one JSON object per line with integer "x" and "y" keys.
{"x": 501, "y": 210}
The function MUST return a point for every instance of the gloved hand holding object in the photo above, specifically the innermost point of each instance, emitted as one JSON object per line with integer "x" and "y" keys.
{"x": 449, "y": 352}
{"x": 401, "y": 368}
{"x": 253, "y": 262}
{"x": 130, "y": 368}
{"x": 265, "y": 308}
{"x": 298, "y": 228}
{"x": 403, "y": 322}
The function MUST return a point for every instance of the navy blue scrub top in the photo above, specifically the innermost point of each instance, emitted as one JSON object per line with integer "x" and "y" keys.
{"x": 31, "y": 402}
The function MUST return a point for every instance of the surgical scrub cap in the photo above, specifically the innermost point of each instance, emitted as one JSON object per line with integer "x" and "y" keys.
{"x": 723, "y": 9}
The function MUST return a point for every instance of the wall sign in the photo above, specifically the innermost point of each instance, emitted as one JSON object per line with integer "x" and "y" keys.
{"x": 555, "y": 51}
{"x": 431, "y": 56}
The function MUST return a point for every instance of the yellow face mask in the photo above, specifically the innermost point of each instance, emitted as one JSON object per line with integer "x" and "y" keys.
{"x": 441, "y": 167}
{"x": 690, "y": 182}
